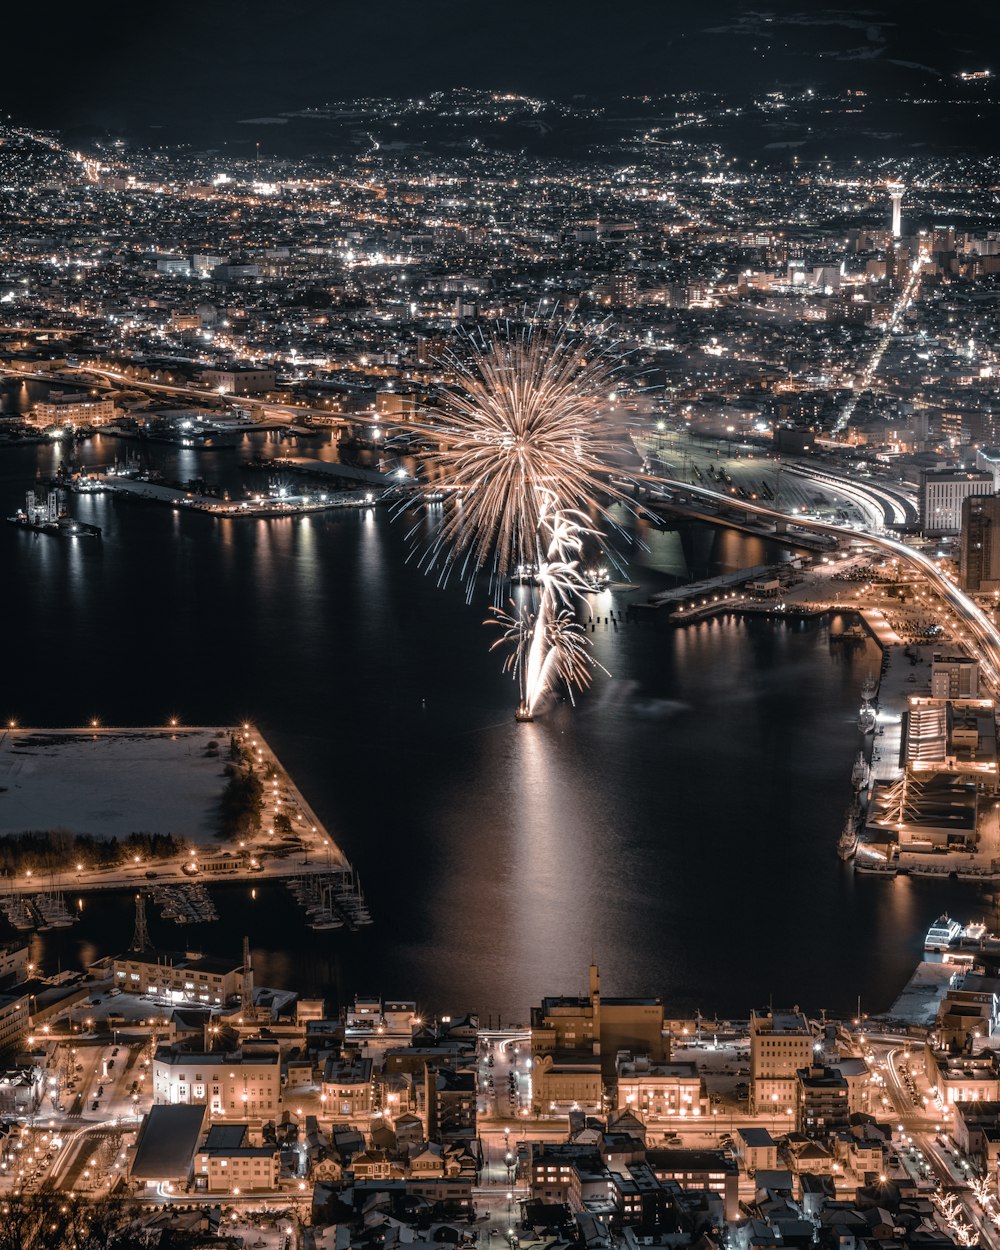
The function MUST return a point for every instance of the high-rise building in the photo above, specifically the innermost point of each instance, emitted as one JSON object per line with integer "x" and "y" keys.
{"x": 979, "y": 567}
{"x": 896, "y": 196}
{"x": 942, "y": 493}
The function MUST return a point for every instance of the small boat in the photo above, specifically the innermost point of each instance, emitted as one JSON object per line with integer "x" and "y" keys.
{"x": 930, "y": 870}
{"x": 875, "y": 867}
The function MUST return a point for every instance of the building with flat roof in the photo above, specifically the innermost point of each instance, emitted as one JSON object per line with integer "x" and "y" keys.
{"x": 229, "y": 1163}
{"x": 781, "y": 1042}
{"x": 943, "y": 493}
{"x": 963, "y": 1078}
{"x": 951, "y": 735}
{"x": 240, "y": 380}
{"x": 823, "y": 1104}
{"x": 563, "y": 1081}
{"x": 165, "y": 1146}
{"x": 657, "y": 1091}
{"x": 450, "y": 1099}
{"x": 348, "y": 1088}
{"x": 181, "y": 976}
{"x": 700, "y": 1169}
{"x": 83, "y": 409}
{"x": 14, "y": 1020}
{"x": 954, "y": 677}
{"x": 244, "y": 1085}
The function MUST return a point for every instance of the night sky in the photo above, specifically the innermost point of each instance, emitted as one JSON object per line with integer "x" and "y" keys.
{"x": 131, "y": 66}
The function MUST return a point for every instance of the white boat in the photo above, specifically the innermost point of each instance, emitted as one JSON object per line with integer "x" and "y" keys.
{"x": 944, "y": 932}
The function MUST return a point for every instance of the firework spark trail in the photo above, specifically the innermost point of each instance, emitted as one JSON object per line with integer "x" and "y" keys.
{"x": 550, "y": 645}
{"x": 520, "y": 455}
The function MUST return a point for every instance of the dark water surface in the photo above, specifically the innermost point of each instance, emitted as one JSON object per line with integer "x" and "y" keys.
{"x": 678, "y": 825}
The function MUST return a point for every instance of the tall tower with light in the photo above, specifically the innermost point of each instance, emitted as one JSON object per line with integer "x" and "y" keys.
{"x": 896, "y": 190}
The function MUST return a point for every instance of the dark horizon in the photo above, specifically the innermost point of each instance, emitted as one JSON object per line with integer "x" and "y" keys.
{"x": 149, "y": 71}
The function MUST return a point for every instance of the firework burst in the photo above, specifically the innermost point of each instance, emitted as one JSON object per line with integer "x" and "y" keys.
{"x": 521, "y": 428}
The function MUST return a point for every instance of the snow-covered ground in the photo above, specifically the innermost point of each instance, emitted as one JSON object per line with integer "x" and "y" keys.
{"x": 112, "y": 782}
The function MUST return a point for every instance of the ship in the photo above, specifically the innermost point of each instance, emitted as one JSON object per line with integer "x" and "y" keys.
{"x": 853, "y": 633}
{"x": 860, "y": 773}
{"x": 49, "y": 516}
{"x": 868, "y": 687}
{"x": 847, "y": 843}
{"x": 944, "y": 932}
{"x": 947, "y": 937}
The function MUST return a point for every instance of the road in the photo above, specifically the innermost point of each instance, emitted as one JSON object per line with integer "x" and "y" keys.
{"x": 906, "y": 297}
{"x": 922, "y": 1147}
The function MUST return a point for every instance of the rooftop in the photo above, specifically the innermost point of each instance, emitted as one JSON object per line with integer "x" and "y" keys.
{"x": 167, "y": 1141}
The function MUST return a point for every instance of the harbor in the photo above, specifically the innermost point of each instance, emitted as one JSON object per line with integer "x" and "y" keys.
{"x": 927, "y": 768}
{"x": 331, "y": 900}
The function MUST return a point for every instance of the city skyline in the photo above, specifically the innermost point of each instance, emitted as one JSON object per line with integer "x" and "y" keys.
{"x": 656, "y": 909}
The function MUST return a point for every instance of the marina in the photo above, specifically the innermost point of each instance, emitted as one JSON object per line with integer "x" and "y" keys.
{"x": 184, "y": 904}
{"x": 331, "y": 900}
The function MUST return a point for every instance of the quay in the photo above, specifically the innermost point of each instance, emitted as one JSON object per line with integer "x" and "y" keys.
{"x": 733, "y": 517}
{"x": 324, "y": 468}
{"x": 142, "y": 491}
{"x": 801, "y": 587}
{"x": 710, "y": 586}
